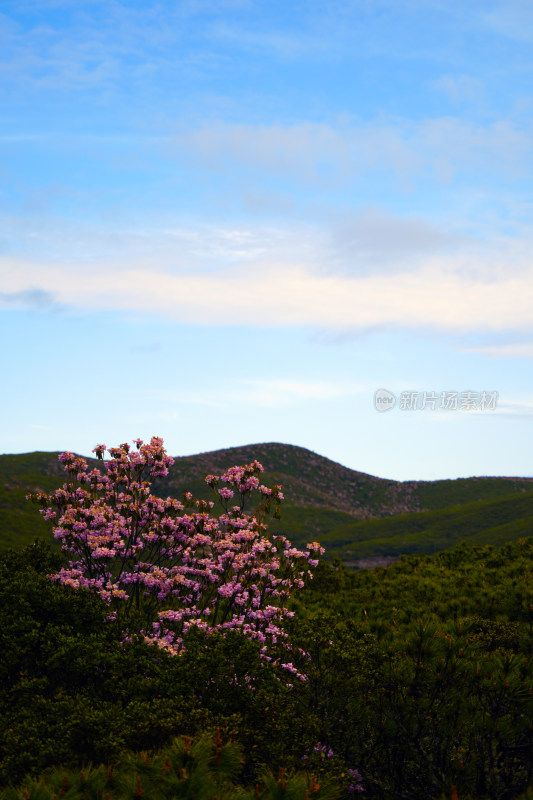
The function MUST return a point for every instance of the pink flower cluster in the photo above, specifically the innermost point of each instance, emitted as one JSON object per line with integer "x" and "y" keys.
{"x": 171, "y": 561}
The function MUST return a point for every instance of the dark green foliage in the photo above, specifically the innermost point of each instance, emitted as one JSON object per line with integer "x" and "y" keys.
{"x": 449, "y": 698}
{"x": 420, "y": 677}
{"x": 435, "y": 495}
{"x": 71, "y": 691}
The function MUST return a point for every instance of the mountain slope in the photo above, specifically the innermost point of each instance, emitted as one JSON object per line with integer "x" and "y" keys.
{"x": 308, "y": 479}
{"x": 324, "y": 500}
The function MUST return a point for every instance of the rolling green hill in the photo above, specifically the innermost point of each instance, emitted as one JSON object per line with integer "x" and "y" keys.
{"x": 482, "y": 522}
{"x": 355, "y": 515}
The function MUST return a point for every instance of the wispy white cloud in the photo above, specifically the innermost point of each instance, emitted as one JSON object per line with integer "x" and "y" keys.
{"x": 262, "y": 393}
{"x": 515, "y": 350}
{"x": 287, "y": 45}
{"x": 511, "y": 18}
{"x": 52, "y": 57}
{"x": 369, "y": 239}
{"x": 519, "y": 410}
{"x": 285, "y": 169}
{"x": 272, "y": 393}
{"x": 202, "y": 247}
{"x": 438, "y": 148}
{"x": 366, "y": 241}
{"x": 461, "y": 88}
{"x": 107, "y": 45}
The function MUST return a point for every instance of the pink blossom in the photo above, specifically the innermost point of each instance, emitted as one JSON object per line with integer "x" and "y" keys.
{"x": 219, "y": 573}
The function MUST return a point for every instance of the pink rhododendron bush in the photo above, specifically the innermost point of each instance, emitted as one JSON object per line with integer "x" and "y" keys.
{"x": 172, "y": 563}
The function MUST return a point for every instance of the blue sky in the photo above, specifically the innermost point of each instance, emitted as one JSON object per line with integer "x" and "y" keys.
{"x": 233, "y": 222}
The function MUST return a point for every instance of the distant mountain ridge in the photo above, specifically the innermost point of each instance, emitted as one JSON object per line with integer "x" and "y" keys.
{"x": 323, "y": 499}
{"x": 308, "y": 478}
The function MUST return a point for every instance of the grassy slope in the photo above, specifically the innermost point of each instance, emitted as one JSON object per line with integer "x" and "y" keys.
{"x": 20, "y": 522}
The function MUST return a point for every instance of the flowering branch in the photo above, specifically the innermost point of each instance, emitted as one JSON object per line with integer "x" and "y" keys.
{"x": 171, "y": 561}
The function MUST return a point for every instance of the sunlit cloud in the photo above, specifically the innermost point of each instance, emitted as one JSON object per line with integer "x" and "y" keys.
{"x": 443, "y": 294}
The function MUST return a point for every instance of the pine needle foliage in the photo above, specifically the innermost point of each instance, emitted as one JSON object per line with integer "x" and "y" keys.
{"x": 203, "y": 769}
{"x": 448, "y": 701}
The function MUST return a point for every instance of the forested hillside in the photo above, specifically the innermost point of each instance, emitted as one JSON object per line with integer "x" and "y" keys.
{"x": 355, "y": 515}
